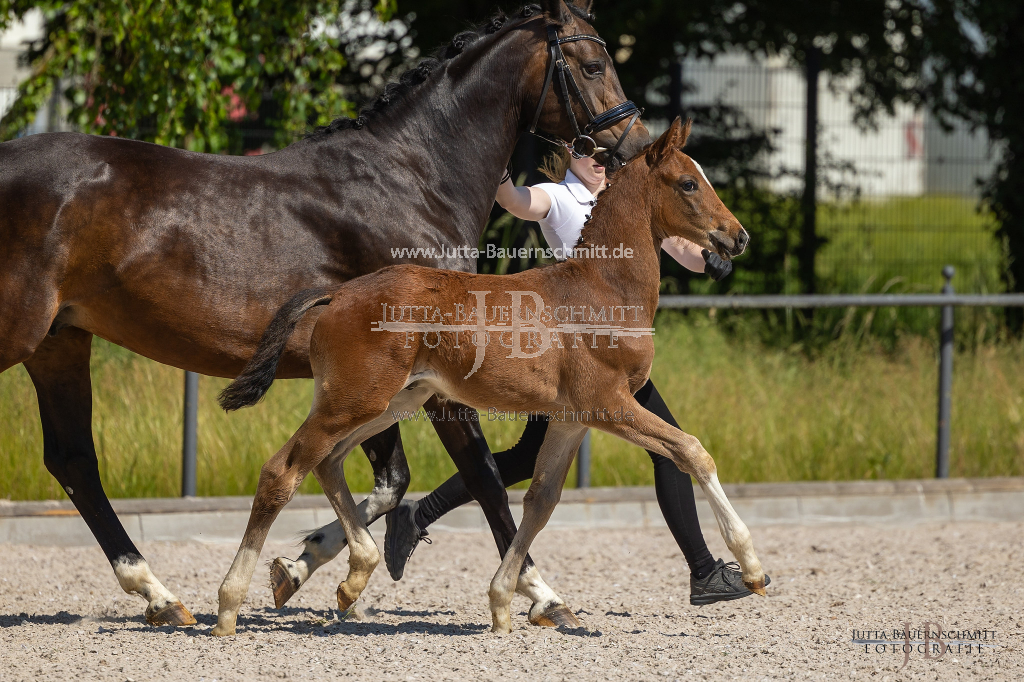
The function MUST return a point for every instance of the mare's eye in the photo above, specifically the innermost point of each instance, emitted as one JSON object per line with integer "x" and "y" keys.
{"x": 689, "y": 186}
{"x": 592, "y": 69}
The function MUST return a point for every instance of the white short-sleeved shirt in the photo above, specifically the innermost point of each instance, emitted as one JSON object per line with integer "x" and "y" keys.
{"x": 571, "y": 204}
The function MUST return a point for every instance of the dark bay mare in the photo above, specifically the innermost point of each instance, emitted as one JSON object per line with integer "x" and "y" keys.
{"x": 184, "y": 258}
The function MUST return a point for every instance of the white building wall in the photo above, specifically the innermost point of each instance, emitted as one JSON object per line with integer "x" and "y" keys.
{"x": 904, "y": 155}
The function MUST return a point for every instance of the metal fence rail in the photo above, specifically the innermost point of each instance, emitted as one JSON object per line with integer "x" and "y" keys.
{"x": 947, "y": 300}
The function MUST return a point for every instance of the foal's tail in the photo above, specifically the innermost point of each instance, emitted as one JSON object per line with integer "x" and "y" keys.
{"x": 252, "y": 384}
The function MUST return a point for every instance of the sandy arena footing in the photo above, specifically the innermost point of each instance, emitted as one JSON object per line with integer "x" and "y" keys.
{"x": 62, "y": 615}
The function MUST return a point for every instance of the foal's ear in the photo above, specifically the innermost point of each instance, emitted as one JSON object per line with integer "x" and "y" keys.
{"x": 671, "y": 140}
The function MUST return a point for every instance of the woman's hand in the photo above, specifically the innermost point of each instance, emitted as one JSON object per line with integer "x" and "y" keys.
{"x": 715, "y": 266}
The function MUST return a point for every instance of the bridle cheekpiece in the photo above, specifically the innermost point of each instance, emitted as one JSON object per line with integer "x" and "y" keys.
{"x": 583, "y": 144}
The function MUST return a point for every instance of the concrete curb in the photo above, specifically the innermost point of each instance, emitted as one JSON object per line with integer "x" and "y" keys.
{"x": 223, "y": 519}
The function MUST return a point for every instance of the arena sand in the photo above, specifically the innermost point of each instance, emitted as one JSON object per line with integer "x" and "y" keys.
{"x": 62, "y": 615}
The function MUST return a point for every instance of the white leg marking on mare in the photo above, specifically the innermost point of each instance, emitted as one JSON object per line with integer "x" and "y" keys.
{"x": 136, "y": 578}
{"x": 533, "y": 587}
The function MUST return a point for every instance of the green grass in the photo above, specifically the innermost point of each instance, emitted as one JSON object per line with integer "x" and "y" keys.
{"x": 903, "y": 242}
{"x": 765, "y": 414}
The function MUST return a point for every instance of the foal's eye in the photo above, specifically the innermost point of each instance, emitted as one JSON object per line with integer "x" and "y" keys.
{"x": 689, "y": 186}
{"x": 592, "y": 69}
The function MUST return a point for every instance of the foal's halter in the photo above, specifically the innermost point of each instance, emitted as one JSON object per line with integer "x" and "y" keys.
{"x": 583, "y": 144}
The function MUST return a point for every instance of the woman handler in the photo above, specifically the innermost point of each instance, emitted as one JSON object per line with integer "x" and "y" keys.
{"x": 562, "y": 207}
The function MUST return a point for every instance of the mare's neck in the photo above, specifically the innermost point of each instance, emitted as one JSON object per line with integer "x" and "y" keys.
{"x": 446, "y": 143}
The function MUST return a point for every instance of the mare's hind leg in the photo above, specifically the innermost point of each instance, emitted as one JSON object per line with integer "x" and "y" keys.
{"x": 60, "y": 371}
{"x": 465, "y": 443}
{"x": 652, "y": 433}
{"x": 390, "y": 481}
{"x": 556, "y": 454}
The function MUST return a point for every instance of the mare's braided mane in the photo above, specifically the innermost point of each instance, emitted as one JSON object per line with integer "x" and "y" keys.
{"x": 394, "y": 92}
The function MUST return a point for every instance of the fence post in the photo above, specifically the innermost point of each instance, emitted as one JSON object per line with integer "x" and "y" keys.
{"x": 583, "y": 463}
{"x": 189, "y": 435}
{"x": 809, "y": 241}
{"x": 945, "y": 379}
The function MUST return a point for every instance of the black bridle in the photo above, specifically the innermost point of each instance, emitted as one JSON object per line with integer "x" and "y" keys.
{"x": 583, "y": 144}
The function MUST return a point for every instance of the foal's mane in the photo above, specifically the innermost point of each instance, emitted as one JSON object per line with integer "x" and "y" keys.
{"x": 610, "y": 193}
{"x": 395, "y": 92}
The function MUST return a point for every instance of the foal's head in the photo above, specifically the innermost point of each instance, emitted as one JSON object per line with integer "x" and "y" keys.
{"x": 685, "y": 204}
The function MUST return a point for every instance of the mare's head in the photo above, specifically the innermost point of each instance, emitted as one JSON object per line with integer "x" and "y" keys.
{"x": 592, "y": 68}
{"x": 685, "y": 204}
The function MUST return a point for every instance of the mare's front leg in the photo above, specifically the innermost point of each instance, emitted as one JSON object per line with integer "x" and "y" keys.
{"x": 560, "y": 444}
{"x": 458, "y": 427}
{"x": 59, "y": 369}
{"x": 652, "y": 433}
{"x": 280, "y": 476}
{"x": 390, "y": 481}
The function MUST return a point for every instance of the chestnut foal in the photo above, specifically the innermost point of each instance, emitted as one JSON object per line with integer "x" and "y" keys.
{"x": 580, "y": 339}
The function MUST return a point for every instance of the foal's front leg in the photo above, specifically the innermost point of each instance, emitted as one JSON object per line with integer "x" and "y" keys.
{"x": 560, "y": 444}
{"x": 652, "y": 433}
{"x": 465, "y": 443}
{"x": 279, "y": 478}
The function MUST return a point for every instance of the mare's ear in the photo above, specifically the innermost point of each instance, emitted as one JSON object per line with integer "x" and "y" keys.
{"x": 671, "y": 140}
{"x": 585, "y": 5}
{"x": 556, "y": 10}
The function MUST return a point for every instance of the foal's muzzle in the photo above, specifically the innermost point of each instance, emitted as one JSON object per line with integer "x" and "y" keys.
{"x": 728, "y": 246}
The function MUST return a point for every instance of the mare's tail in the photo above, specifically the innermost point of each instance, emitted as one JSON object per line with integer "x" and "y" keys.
{"x": 252, "y": 384}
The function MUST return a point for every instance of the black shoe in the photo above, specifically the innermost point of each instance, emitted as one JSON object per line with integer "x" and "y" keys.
{"x": 401, "y": 537}
{"x": 724, "y": 583}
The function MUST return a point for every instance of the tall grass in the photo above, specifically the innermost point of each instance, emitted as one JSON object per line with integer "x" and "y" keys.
{"x": 851, "y": 410}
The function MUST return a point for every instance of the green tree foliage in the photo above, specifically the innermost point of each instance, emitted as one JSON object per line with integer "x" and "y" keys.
{"x": 178, "y": 73}
{"x": 973, "y": 74}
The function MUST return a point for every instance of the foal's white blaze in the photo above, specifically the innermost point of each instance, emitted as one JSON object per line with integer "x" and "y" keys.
{"x": 136, "y": 578}
{"x": 702, "y": 173}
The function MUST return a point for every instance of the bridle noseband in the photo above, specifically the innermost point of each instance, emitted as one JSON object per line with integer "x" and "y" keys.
{"x": 583, "y": 144}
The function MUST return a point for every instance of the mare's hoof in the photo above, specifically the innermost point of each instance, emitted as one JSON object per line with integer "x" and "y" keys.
{"x": 756, "y": 586}
{"x": 283, "y": 584}
{"x": 556, "y": 616}
{"x": 173, "y": 614}
{"x": 219, "y": 631}
{"x": 345, "y": 600}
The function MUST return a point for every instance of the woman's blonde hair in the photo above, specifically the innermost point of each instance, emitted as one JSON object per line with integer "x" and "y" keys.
{"x": 556, "y": 164}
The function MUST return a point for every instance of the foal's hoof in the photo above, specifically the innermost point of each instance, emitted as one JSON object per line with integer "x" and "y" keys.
{"x": 345, "y": 600}
{"x": 283, "y": 583}
{"x": 756, "y": 586}
{"x": 556, "y": 616}
{"x": 173, "y": 614}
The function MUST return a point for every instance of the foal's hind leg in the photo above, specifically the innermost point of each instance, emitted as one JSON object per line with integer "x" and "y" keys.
{"x": 60, "y": 371}
{"x": 280, "y": 476}
{"x": 390, "y": 481}
{"x": 363, "y": 554}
